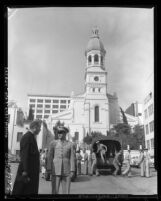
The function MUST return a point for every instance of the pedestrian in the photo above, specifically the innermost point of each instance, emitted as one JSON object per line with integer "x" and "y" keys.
{"x": 102, "y": 149}
{"x": 79, "y": 160}
{"x": 85, "y": 162}
{"x": 147, "y": 163}
{"x": 94, "y": 164}
{"x": 142, "y": 163}
{"x": 27, "y": 178}
{"x": 127, "y": 171}
{"x": 117, "y": 162}
{"x": 61, "y": 161}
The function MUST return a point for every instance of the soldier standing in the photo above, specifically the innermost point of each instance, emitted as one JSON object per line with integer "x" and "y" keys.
{"x": 85, "y": 162}
{"x": 127, "y": 171}
{"x": 61, "y": 161}
{"x": 79, "y": 159}
{"x": 147, "y": 163}
{"x": 142, "y": 163}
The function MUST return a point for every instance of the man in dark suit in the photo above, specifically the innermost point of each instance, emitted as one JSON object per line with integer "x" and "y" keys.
{"x": 61, "y": 162}
{"x": 27, "y": 179}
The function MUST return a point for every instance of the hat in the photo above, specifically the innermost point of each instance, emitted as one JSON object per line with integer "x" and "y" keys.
{"x": 62, "y": 129}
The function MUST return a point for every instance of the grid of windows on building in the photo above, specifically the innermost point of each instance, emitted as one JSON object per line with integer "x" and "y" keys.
{"x": 63, "y": 101}
{"x": 152, "y": 143}
{"x": 55, "y": 106}
{"x": 146, "y": 114}
{"x": 63, "y": 106}
{"x": 47, "y": 106}
{"x": 47, "y": 111}
{"x": 47, "y": 101}
{"x": 19, "y": 136}
{"x": 38, "y": 116}
{"x": 40, "y": 100}
{"x": 147, "y": 129}
{"x": 150, "y": 109}
{"x": 55, "y": 101}
{"x": 32, "y": 105}
{"x": 151, "y": 125}
{"x": 39, "y": 105}
{"x": 54, "y": 111}
{"x": 32, "y": 100}
{"x": 148, "y": 144}
{"x": 39, "y": 111}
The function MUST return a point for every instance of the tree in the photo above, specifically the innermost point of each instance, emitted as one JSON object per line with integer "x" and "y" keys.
{"x": 88, "y": 139}
{"x": 122, "y": 128}
{"x": 139, "y": 135}
{"x": 123, "y": 116}
{"x": 31, "y": 115}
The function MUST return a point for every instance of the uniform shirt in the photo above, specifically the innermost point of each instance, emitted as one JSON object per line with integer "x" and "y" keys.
{"x": 62, "y": 157}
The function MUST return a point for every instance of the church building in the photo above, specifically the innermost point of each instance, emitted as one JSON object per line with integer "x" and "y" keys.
{"x": 95, "y": 109}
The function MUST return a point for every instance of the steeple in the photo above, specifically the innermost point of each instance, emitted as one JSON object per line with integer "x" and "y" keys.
{"x": 95, "y": 51}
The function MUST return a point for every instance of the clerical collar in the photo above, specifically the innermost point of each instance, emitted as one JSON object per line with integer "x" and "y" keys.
{"x": 31, "y": 132}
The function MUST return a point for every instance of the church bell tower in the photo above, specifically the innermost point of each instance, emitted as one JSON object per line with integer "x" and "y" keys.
{"x": 96, "y": 100}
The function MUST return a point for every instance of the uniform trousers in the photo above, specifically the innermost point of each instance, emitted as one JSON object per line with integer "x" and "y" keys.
{"x": 55, "y": 184}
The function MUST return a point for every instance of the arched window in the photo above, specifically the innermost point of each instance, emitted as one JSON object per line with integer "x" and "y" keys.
{"x": 101, "y": 60}
{"x": 96, "y": 111}
{"x": 93, "y": 89}
{"x": 89, "y": 59}
{"x": 96, "y": 58}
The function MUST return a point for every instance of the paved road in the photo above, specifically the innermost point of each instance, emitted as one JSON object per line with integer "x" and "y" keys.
{"x": 105, "y": 184}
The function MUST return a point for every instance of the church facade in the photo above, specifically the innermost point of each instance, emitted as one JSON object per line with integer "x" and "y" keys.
{"x": 95, "y": 110}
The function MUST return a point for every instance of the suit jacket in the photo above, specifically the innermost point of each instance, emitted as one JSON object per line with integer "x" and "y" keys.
{"x": 30, "y": 163}
{"x": 61, "y": 158}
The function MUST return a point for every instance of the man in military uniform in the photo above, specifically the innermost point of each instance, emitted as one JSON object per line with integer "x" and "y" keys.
{"x": 61, "y": 161}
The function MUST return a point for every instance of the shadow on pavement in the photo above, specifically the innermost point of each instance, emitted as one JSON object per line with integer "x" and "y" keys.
{"x": 82, "y": 178}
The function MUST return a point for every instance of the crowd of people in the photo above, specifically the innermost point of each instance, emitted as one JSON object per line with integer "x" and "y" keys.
{"x": 62, "y": 161}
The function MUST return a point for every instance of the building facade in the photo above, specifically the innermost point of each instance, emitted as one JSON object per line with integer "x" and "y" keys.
{"x": 136, "y": 110}
{"x": 148, "y": 109}
{"x": 16, "y": 127}
{"x": 95, "y": 109}
{"x": 44, "y": 106}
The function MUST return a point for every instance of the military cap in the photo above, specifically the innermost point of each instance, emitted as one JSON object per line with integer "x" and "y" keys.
{"x": 62, "y": 129}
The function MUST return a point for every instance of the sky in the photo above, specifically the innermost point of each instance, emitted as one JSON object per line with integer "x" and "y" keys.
{"x": 46, "y": 50}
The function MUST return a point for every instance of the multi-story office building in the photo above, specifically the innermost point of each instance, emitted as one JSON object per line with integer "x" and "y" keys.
{"x": 44, "y": 106}
{"x": 148, "y": 109}
{"x": 136, "y": 110}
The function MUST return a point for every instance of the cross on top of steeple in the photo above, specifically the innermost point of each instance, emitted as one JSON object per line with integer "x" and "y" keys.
{"x": 95, "y": 32}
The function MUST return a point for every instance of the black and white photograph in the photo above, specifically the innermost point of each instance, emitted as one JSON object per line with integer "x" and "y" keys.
{"x": 80, "y": 101}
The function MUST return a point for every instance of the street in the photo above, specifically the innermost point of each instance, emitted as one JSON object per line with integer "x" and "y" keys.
{"x": 104, "y": 184}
